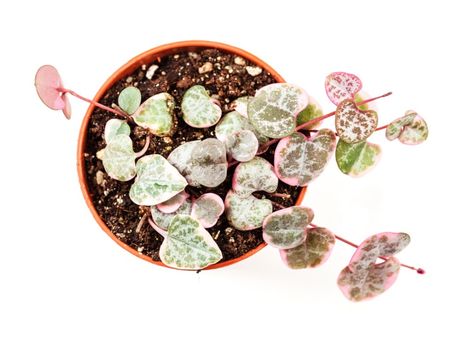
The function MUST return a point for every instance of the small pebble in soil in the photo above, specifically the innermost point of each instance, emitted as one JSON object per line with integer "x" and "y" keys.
{"x": 151, "y": 71}
{"x": 99, "y": 177}
{"x": 206, "y": 68}
{"x": 253, "y": 71}
{"x": 239, "y": 61}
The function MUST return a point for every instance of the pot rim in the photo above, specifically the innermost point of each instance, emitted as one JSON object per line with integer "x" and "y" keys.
{"x": 146, "y": 58}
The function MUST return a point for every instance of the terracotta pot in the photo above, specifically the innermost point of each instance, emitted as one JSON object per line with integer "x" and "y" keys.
{"x": 147, "y": 58}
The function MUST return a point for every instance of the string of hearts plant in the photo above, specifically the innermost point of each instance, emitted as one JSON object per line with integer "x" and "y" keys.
{"x": 277, "y": 114}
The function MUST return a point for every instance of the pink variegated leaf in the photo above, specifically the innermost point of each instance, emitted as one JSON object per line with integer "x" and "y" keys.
{"x": 368, "y": 283}
{"x": 313, "y": 252}
{"x": 207, "y": 209}
{"x": 352, "y": 124}
{"x": 341, "y": 86}
{"x": 172, "y": 205}
{"x": 383, "y": 244}
{"x": 286, "y": 228}
{"x": 48, "y": 86}
{"x": 298, "y": 159}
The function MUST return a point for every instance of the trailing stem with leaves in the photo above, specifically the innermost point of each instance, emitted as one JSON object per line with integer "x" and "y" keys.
{"x": 281, "y": 114}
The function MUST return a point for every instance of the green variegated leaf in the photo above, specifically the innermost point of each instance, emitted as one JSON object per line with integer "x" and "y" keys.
{"x": 246, "y": 213}
{"x": 188, "y": 245}
{"x": 163, "y": 219}
{"x": 313, "y": 252}
{"x": 156, "y": 114}
{"x": 274, "y": 109}
{"x": 356, "y": 159}
{"x": 199, "y": 111}
{"x": 254, "y": 175}
{"x": 395, "y": 128}
{"x": 207, "y": 209}
{"x": 233, "y": 122}
{"x": 242, "y": 145}
{"x": 116, "y": 127}
{"x": 313, "y": 110}
{"x": 180, "y": 158}
{"x": 352, "y": 124}
{"x": 298, "y": 160}
{"x": 157, "y": 181}
{"x": 415, "y": 133}
{"x": 208, "y": 165}
{"x": 286, "y": 228}
{"x": 119, "y": 158}
{"x": 129, "y": 99}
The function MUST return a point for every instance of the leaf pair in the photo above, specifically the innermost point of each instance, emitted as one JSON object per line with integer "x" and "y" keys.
{"x": 363, "y": 278}
{"x": 155, "y": 113}
{"x": 410, "y": 129}
{"x": 206, "y": 209}
{"x": 299, "y": 246}
{"x": 118, "y": 156}
{"x": 245, "y": 211}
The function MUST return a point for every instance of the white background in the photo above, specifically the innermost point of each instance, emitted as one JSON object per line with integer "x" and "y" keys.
{"x": 61, "y": 276}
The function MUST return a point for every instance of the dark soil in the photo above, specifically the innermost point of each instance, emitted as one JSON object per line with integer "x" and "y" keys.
{"x": 227, "y": 81}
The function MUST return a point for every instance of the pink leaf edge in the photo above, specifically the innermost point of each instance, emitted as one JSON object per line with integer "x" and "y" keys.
{"x": 48, "y": 84}
{"x": 173, "y": 204}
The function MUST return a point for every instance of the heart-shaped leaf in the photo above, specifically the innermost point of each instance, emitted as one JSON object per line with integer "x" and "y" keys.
{"x": 356, "y": 159}
{"x": 116, "y": 127}
{"x": 254, "y": 175}
{"x": 163, "y": 220}
{"x": 242, "y": 145}
{"x": 395, "y": 128}
{"x": 363, "y": 278}
{"x": 207, "y": 209}
{"x": 157, "y": 181}
{"x": 383, "y": 244}
{"x": 274, "y": 109}
{"x": 156, "y": 114}
{"x": 181, "y": 157}
{"x": 199, "y": 111}
{"x": 119, "y": 158}
{"x": 233, "y": 122}
{"x": 172, "y": 204}
{"x": 240, "y": 105}
{"x": 286, "y": 228}
{"x": 341, "y": 86}
{"x": 313, "y": 110}
{"x": 246, "y": 212}
{"x": 313, "y": 252}
{"x": 209, "y": 163}
{"x": 370, "y": 282}
{"x": 410, "y": 129}
{"x": 188, "y": 245}
{"x": 129, "y": 99}
{"x": 48, "y": 86}
{"x": 352, "y": 124}
{"x": 298, "y": 160}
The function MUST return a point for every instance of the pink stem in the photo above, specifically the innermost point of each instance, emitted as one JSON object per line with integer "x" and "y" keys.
{"x": 232, "y": 163}
{"x": 114, "y": 111}
{"x": 277, "y": 194}
{"x": 382, "y": 127}
{"x": 157, "y": 228}
{"x": 144, "y": 150}
{"x": 418, "y": 270}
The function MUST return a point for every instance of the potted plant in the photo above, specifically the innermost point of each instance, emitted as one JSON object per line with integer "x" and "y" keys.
{"x": 195, "y": 155}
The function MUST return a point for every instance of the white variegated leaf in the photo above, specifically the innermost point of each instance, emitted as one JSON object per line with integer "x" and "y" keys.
{"x": 199, "y": 111}
{"x": 156, "y": 114}
{"x": 188, "y": 245}
{"x": 157, "y": 181}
